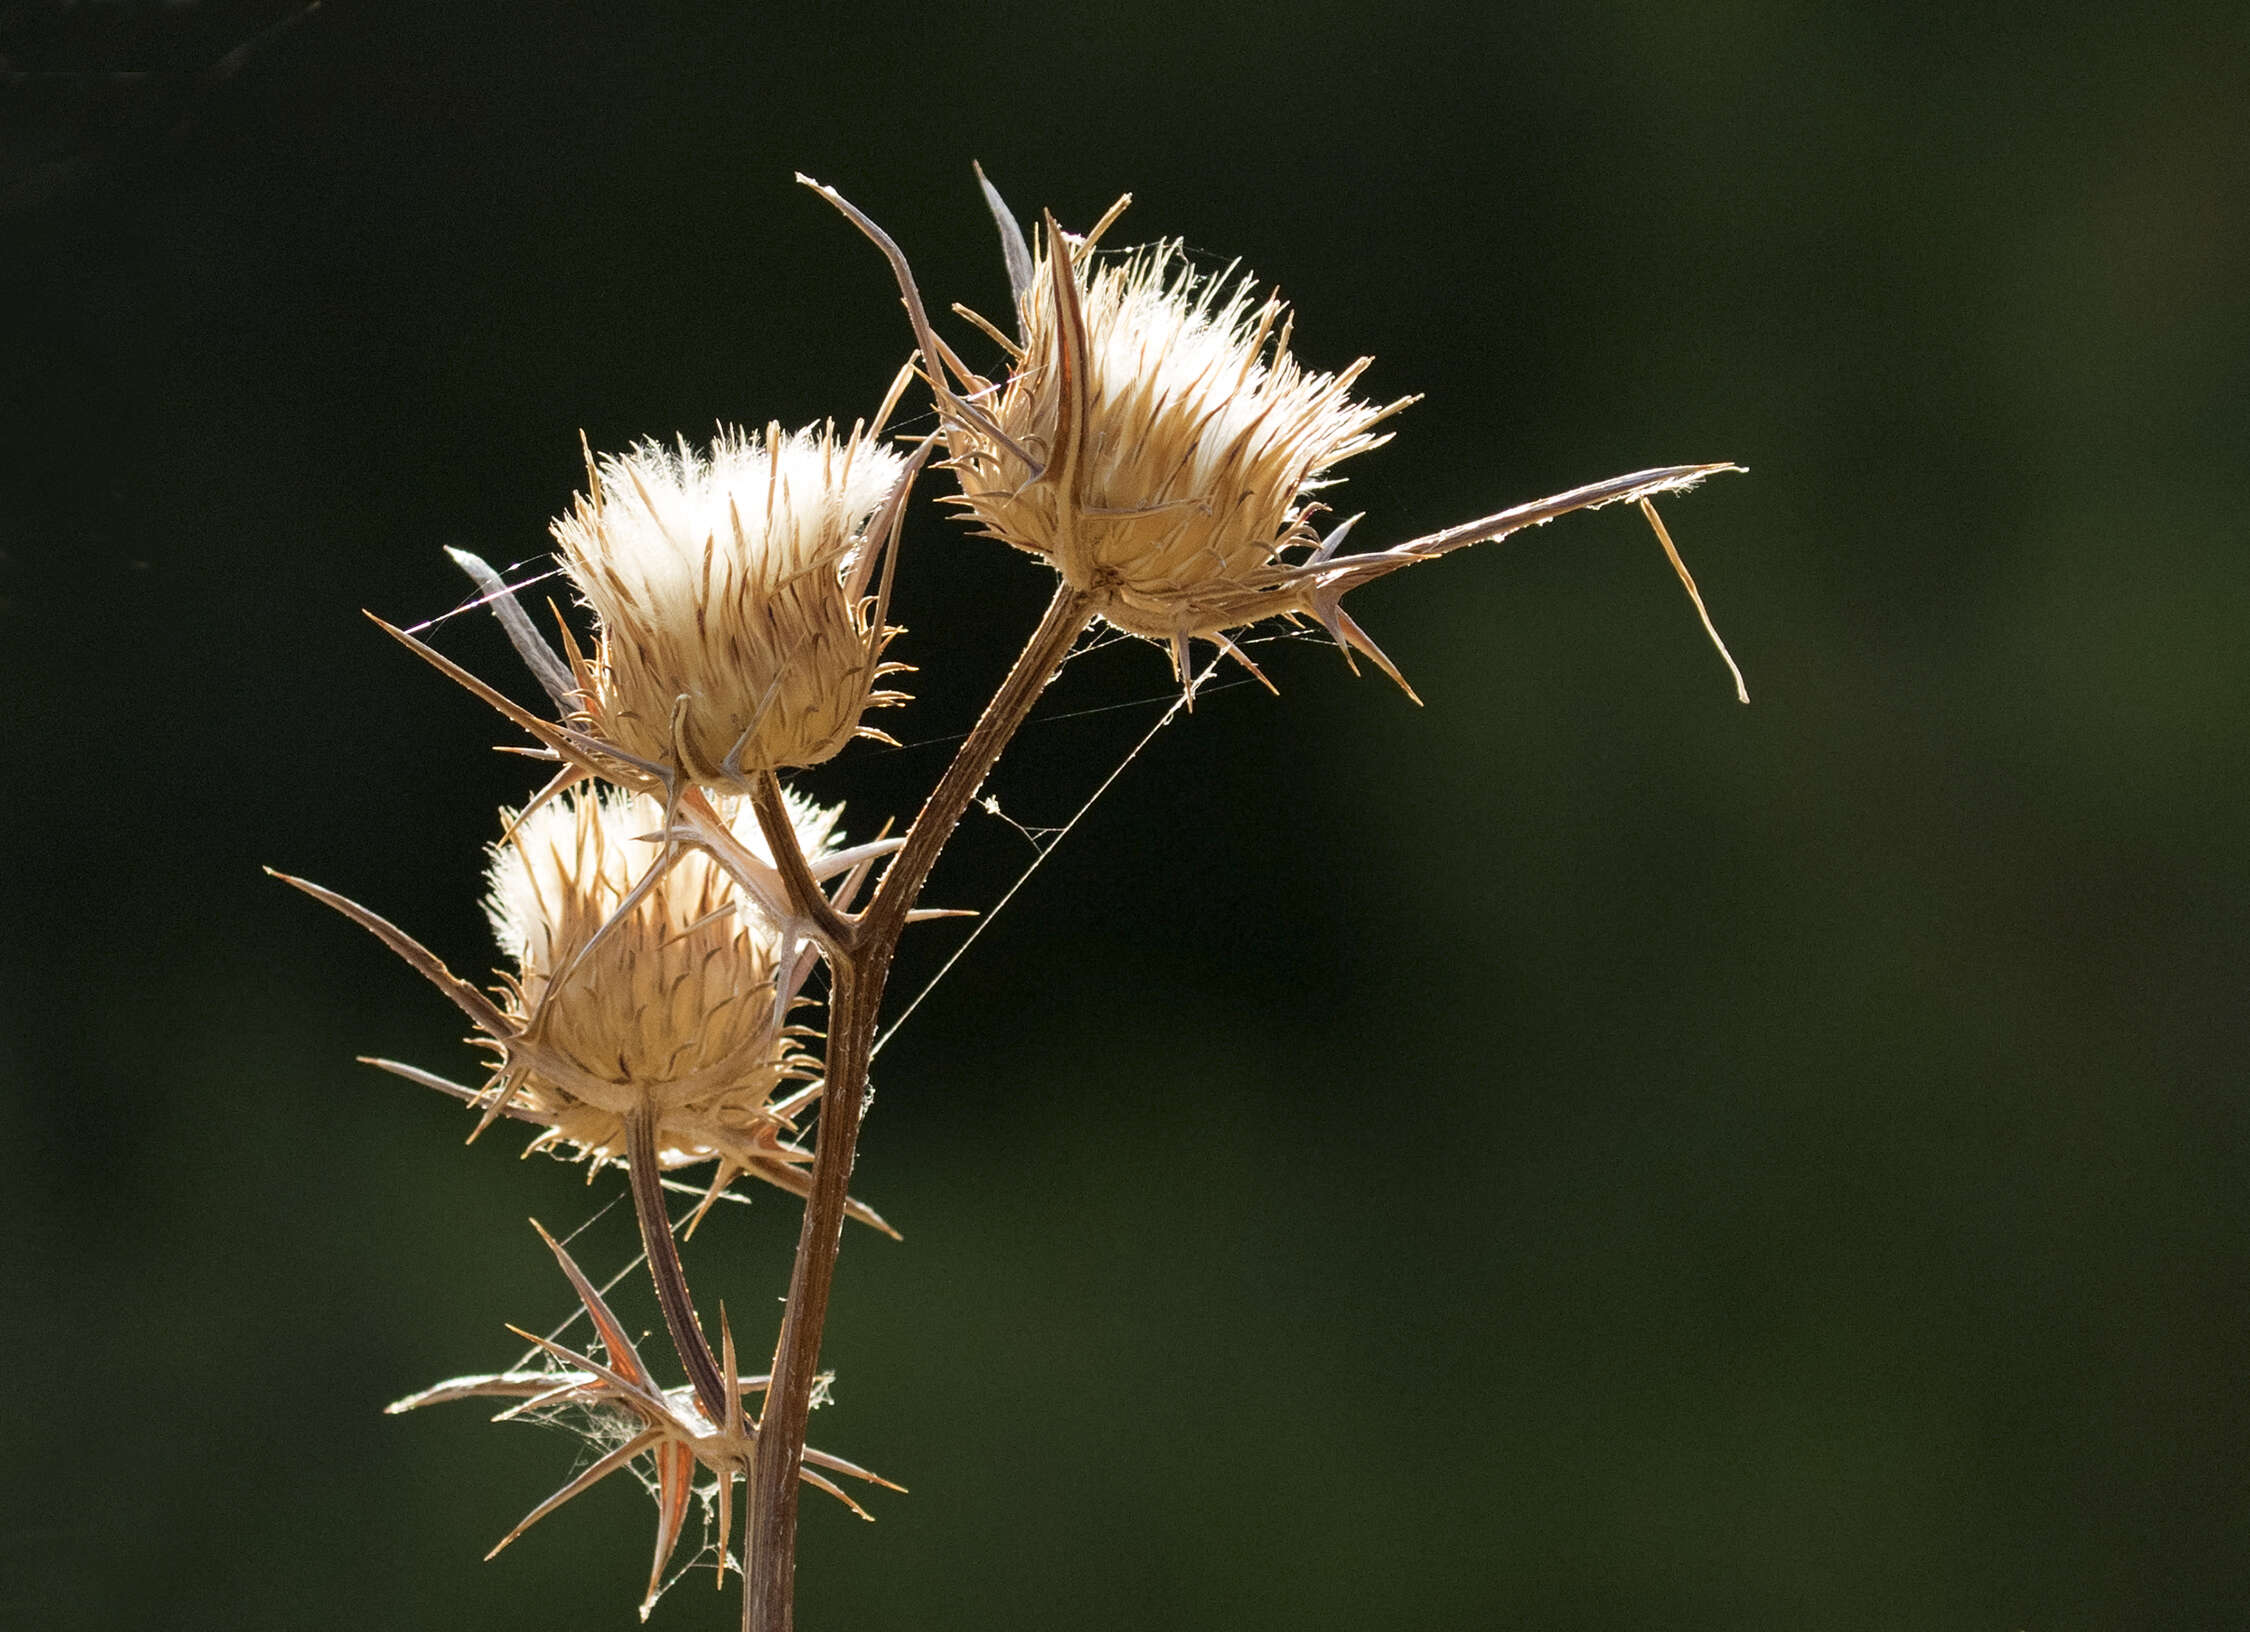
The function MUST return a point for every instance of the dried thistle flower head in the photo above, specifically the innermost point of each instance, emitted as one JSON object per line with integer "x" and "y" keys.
{"x": 1187, "y": 488}
{"x": 737, "y": 627}
{"x": 646, "y": 985}
{"x": 1155, "y": 440}
{"x": 626, "y": 999}
{"x": 618, "y": 1403}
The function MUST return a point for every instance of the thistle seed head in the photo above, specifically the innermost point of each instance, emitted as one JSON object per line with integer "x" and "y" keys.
{"x": 1155, "y": 440}
{"x": 646, "y": 982}
{"x": 1185, "y": 493}
{"x": 731, "y": 586}
{"x": 643, "y": 981}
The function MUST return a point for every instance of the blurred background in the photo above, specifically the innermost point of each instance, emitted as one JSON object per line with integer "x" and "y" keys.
{"x": 1580, "y": 1154}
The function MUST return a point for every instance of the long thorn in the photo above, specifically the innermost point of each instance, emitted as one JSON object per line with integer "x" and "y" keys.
{"x": 537, "y": 655}
{"x": 1687, "y": 582}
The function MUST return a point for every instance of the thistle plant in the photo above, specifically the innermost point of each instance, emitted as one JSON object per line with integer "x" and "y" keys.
{"x": 663, "y": 901}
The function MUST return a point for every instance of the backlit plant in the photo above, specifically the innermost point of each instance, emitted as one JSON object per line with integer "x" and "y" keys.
{"x": 663, "y": 900}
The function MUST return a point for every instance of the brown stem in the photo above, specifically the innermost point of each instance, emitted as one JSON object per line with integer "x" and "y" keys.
{"x": 664, "y": 1266}
{"x": 770, "y": 1533}
{"x": 1065, "y": 619}
{"x": 770, "y": 1536}
{"x": 807, "y": 897}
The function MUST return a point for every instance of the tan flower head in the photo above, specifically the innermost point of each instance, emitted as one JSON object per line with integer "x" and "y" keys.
{"x": 656, "y": 1000}
{"x": 732, "y": 587}
{"x": 1202, "y": 443}
{"x": 645, "y": 984}
{"x": 1156, "y": 441}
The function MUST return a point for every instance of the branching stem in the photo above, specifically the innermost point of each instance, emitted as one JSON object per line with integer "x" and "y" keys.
{"x": 833, "y": 929}
{"x": 859, "y": 971}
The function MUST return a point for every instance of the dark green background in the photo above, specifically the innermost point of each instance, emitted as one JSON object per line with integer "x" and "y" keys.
{"x": 1578, "y": 1155}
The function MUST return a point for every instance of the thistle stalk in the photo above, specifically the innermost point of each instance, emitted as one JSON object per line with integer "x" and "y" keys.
{"x": 664, "y": 1267}
{"x": 805, "y": 897}
{"x": 860, "y": 967}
